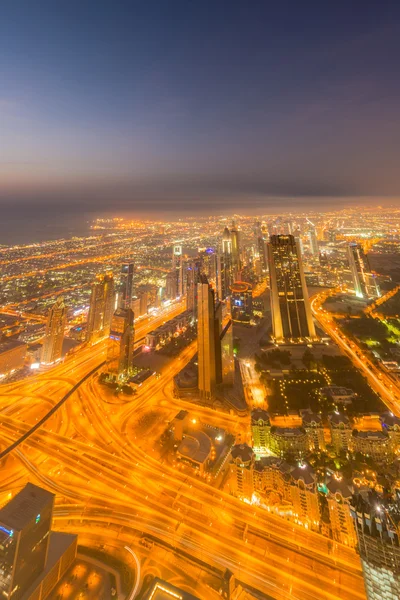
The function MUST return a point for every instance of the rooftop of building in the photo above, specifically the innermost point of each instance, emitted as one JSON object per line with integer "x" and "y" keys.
{"x": 289, "y": 432}
{"x": 337, "y": 418}
{"x": 7, "y": 345}
{"x": 195, "y": 446}
{"x": 338, "y": 484}
{"x": 259, "y": 414}
{"x": 239, "y": 287}
{"x": 25, "y": 506}
{"x": 58, "y": 545}
{"x": 162, "y": 590}
{"x": 389, "y": 419}
{"x": 310, "y": 418}
{"x": 303, "y": 472}
{"x": 371, "y": 435}
{"x": 272, "y": 462}
{"x": 243, "y": 452}
{"x": 336, "y": 390}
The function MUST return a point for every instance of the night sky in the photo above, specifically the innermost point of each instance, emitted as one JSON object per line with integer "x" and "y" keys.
{"x": 198, "y": 105}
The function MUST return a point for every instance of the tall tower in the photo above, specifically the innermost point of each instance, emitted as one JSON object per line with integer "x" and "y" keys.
{"x": 126, "y": 291}
{"x": 206, "y": 338}
{"x": 121, "y": 344}
{"x": 54, "y": 336}
{"x": 235, "y": 245}
{"x": 312, "y": 236}
{"x": 290, "y": 305}
{"x": 224, "y": 270}
{"x": 364, "y": 282}
{"x": 25, "y": 524}
{"x": 101, "y": 308}
{"x": 377, "y": 527}
{"x": 193, "y": 278}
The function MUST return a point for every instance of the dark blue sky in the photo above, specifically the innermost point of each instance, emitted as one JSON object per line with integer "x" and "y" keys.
{"x": 158, "y": 105}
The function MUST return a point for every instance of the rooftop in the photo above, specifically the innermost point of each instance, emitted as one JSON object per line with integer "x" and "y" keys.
{"x": 25, "y": 506}
{"x": 162, "y": 590}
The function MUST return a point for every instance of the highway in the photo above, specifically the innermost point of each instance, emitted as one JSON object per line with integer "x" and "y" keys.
{"x": 105, "y": 469}
{"x": 384, "y": 386}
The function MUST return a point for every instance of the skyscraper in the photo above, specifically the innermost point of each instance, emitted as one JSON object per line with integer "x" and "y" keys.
{"x": 290, "y": 305}
{"x": 206, "y": 338}
{"x": 54, "y": 336}
{"x": 101, "y": 308}
{"x": 364, "y": 282}
{"x": 377, "y": 527}
{"x": 241, "y": 302}
{"x": 193, "y": 278}
{"x": 25, "y": 524}
{"x": 235, "y": 245}
{"x": 121, "y": 344}
{"x": 126, "y": 290}
{"x": 224, "y": 266}
{"x": 312, "y": 236}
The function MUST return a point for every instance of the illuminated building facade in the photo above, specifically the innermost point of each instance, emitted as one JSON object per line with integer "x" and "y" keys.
{"x": 235, "y": 249}
{"x": 290, "y": 305}
{"x": 126, "y": 291}
{"x": 340, "y": 432}
{"x": 260, "y": 430}
{"x": 227, "y": 358}
{"x": 304, "y": 496}
{"x": 314, "y": 427}
{"x": 54, "y": 336}
{"x": 377, "y": 528}
{"x": 206, "y": 335}
{"x": 121, "y": 344}
{"x": 364, "y": 281}
{"x": 339, "y": 497}
{"x": 241, "y": 302}
{"x": 12, "y": 356}
{"x": 312, "y": 236}
{"x": 376, "y": 444}
{"x": 25, "y": 524}
{"x": 101, "y": 308}
{"x": 242, "y": 471}
{"x": 289, "y": 442}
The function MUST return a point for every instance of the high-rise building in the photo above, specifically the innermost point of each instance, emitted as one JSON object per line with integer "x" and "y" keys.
{"x": 171, "y": 284}
{"x": 25, "y": 524}
{"x": 227, "y": 358}
{"x": 235, "y": 250}
{"x": 241, "y": 302}
{"x": 193, "y": 278}
{"x": 206, "y": 338}
{"x": 121, "y": 344}
{"x": 290, "y": 305}
{"x": 54, "y": 336}
{"x": 312, "y": 236}
{"x": 262, "y": 241}
{"x": 101, "y": 308}
{"x": 377, "y": 527}
{"x": 364, "y": 281}
{"x": 126, "y": 290}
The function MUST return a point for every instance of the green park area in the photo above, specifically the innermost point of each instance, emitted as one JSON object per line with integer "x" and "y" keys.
{"x": 373, "y": 333}
{"x": 298, "y": 387}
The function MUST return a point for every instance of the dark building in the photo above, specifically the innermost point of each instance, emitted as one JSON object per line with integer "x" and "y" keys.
{"x": 126, "y": 291}
{"x": 290, "y": 306}
{"x": 377, "y": 526}
{"x": 241, "y": 302}
{"x": 25, "y": 524}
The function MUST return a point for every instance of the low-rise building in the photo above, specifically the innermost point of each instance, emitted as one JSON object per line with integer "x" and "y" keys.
{"x": 289, "y": 442}
{"x": 260, "y": 429}
{"x": 376, "y": 444}
{"x": 340, "y": 431}
{"x": 337, "y": 394}
{"x": 304, "y": 496}
{"x": 314, "y": 427}
{"x": 242, "y": 471}
{"x": 12, "y": 356}
{"x": 339, "y": 499}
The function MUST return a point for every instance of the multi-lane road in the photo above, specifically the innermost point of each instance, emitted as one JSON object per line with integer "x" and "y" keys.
{"x": 109, "y": 480}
